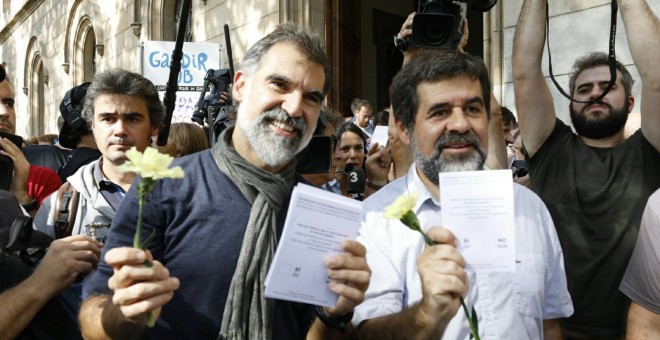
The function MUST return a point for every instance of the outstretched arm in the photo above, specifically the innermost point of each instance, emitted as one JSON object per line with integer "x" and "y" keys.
{"x": 536, "y": 111}
{"x": 643, "y": 30}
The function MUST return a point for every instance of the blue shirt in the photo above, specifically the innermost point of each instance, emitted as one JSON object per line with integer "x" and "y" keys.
{"x": 200, "y": 222}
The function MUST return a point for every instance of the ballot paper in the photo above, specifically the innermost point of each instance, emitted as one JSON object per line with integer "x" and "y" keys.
{"x": 317, "y": 223}
{"x": 477, "y": 206}
{"x": 379, "y": 135}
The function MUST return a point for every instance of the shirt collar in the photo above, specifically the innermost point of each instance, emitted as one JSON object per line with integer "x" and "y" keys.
{"x": 414, "y": 184}
{"x": 103, "y": 182}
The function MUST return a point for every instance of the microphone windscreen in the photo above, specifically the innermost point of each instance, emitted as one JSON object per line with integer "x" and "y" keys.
{"x": 357, "y": 181}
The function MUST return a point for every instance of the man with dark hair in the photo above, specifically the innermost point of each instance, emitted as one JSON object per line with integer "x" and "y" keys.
{"x": 441, "y": 103}
{"x": 123, "y": 110}
{"x": 596, "y": 182}
{"x": 228, "y": 210}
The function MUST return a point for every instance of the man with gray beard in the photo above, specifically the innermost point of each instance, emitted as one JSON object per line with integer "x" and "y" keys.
{"x": 216, "y": 230}
{"x": 442, "y": 108}
{"x": 596, "y": 181}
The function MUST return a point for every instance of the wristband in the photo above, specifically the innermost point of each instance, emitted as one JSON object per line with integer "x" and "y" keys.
{"x": 31, "y": 206}
{"x": 335, "y": 323}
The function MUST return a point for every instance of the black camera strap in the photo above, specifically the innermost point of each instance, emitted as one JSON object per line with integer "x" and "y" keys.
{"x": 611, "y": 56}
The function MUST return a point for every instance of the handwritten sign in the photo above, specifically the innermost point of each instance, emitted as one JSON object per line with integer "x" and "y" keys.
{"x": 197, "y": 59}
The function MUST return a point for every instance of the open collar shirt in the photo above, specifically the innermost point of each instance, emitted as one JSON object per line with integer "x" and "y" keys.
{"x": 510, "y": 305}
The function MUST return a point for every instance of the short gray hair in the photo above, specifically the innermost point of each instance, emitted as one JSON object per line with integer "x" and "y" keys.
{"x": 122, "y": 82}
{"x": 308, "y": 43}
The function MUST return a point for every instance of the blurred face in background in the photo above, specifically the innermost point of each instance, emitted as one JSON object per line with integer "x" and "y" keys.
{"x": 350, "y": 150}
{"x": 362, "y": 116}
{"x": 7, "y": 113}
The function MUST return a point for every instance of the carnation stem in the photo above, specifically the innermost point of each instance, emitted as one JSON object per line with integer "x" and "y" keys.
{"x": 473, "y": 326}
{"x": 142, "y": 198}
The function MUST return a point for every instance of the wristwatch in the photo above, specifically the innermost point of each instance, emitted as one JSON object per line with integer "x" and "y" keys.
{"x": 401, "y": 44}
{"x": 31, "y": 206}
{"x": 336, "y": 323}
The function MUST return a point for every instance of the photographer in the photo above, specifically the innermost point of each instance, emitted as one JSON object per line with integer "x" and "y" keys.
{"x": 595, "y": 182}
{"x": 497, "y": 155}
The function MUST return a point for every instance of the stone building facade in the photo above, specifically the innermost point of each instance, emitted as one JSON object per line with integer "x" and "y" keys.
{"x": 48, "y": 46}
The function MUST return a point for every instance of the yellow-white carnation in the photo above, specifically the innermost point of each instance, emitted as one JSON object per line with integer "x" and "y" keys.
{"x": 150, "y": 164}
{"x": 401, "y": 206}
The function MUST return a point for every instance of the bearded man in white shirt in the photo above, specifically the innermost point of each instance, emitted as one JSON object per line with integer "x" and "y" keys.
{"x": 441, "y": 105}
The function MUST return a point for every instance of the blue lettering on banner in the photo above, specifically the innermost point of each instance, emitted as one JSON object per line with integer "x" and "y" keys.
{"x": 161, "y": 59}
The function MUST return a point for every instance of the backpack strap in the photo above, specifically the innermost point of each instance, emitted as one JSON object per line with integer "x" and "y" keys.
{"x": 66, "y": 208}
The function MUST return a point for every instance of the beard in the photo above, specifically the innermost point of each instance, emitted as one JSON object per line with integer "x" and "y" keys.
{"x": 272, "y": 148}
{"x": 436, "y": 163}
{"x": 603, "y": 125}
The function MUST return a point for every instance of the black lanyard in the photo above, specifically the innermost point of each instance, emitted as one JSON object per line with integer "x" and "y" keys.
{"x": 611, "y": 56}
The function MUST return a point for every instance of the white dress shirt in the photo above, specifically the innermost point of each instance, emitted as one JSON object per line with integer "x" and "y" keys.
{"x": 510, "y": 305}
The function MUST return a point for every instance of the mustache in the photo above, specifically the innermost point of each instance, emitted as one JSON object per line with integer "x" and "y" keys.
{"x": 467, "y": 138}
{"x": 119, "y": 140}
{"x": 592, "y": 103}
{"x": 279, "y": 114}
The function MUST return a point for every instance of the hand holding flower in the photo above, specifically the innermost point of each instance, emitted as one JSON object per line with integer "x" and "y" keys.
{"x": 139, "y": 291}
{"x": 151, "y": 166}
{"x": 440, "y": 266}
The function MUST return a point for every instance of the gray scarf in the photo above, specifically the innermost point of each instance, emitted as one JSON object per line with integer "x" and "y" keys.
{"x": 247, "y": 313}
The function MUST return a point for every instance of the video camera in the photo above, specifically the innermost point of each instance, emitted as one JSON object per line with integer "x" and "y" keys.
{"x": 210, "y": 107}
{"x": 439, "y": 23}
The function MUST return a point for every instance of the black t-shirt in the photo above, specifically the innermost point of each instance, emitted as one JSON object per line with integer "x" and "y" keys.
{"x": 596, "y": 197}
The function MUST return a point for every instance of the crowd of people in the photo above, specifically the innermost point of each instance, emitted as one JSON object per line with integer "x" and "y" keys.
{"x": 586, "y": 203}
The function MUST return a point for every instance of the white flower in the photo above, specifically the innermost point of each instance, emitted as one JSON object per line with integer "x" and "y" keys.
{"x": 150, "y": 164}
{"x": 401, "y": 206}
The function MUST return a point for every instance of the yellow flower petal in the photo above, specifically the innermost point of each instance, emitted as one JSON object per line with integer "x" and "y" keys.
{"x": 150, "y": 164}
{"x": 401, "y": 206}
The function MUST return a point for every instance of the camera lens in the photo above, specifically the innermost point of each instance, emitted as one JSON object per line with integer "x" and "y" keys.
{"x": 436, "y": 32}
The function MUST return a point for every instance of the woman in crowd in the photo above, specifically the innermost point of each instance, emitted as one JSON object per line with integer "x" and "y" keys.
{"x": 351, "y": 153}
{"x": 184, "y": 139}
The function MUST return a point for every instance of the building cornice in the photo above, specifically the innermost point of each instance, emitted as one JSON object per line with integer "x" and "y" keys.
{"x": 28, "y": 8}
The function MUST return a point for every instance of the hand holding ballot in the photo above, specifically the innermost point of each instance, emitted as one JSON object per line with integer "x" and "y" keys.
{"x": 318, "y": 260}
{"x": 349, "y": 275}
